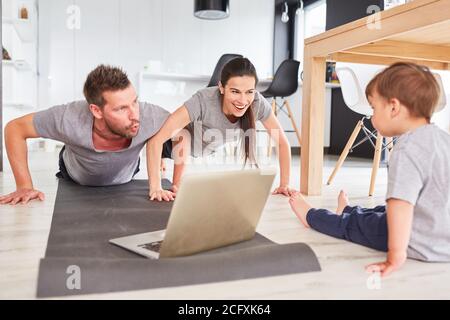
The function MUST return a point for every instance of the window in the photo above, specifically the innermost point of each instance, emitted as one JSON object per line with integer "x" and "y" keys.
{"x": 310, "y": 22}
{"x": 315, "y": 18}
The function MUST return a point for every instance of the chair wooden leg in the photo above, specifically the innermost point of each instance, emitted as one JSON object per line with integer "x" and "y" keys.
{"x": 390, "y": 147}
{"x": 269, "y": 142}
{"x": 346, "y": 150}
{"x": 291, "y": 116}
{"x": 376, "y": 163}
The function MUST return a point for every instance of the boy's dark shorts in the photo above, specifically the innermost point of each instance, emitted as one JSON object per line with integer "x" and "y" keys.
{"x": 63, "y": 174}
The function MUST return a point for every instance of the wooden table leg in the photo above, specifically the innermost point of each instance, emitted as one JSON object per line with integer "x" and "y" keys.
{"x": 313, "y": 109}
{"x": 390, "y": 145}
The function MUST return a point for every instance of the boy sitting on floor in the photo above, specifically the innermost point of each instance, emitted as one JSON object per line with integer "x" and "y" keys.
{"x": 415, "y": 222}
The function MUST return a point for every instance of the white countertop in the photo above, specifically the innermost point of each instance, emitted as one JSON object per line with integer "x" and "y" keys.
{"x": 174, "y": 76}
{"x": 204, "y": 78}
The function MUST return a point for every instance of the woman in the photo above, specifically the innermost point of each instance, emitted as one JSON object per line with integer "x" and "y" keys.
{"x": 234, "y": 104}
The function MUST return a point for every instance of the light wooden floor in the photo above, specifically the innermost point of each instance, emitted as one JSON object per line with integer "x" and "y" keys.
{"x": 24, "y": 231}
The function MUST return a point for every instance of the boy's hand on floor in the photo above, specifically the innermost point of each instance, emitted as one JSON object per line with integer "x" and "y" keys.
{"x": 285, "y": 190}
{"x": 394, "y": 261}
{"x": 22, "y": 196}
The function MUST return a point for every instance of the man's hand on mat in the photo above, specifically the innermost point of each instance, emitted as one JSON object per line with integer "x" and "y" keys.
{"x": 393, "y": 262}
{"x": 23, "y": 196}
{"x": 162, "y": 195}
{"x": 285, "y": 190}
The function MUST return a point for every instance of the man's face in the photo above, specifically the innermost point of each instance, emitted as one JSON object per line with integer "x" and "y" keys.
{"x": 121, "y": 112}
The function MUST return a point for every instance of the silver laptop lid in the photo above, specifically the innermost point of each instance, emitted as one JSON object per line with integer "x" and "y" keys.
{"x": 216, "y": 209}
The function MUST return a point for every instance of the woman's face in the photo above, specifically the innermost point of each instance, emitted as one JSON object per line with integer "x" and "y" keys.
{"x": 238, "y": 95}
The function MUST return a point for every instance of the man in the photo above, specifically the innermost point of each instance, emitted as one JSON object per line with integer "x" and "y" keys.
{"x": 103, "y": 135}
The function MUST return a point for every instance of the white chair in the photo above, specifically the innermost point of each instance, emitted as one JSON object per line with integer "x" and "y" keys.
{"x": 354, "y": 79}
{"x": 443, "y": 95}
{"x": 441, "y": 105}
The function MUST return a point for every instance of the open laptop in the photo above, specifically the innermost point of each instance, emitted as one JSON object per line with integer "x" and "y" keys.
{"x": 211, "y": 210}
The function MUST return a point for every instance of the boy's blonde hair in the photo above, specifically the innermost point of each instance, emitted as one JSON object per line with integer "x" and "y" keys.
{"x": 413, "y": 85}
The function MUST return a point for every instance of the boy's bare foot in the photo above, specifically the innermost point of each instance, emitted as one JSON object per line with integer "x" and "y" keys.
{"x": 342, "y": 202}
{"x": 300, "y": 207}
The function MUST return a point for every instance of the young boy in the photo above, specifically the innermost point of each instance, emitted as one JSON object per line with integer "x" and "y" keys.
{"x": 415, "y": 222}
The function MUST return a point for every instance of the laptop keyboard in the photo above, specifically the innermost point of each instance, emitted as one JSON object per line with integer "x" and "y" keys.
{"x": 152, "y": 246}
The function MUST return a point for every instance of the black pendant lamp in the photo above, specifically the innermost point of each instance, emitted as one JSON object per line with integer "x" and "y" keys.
{"x": 212, "y": 9}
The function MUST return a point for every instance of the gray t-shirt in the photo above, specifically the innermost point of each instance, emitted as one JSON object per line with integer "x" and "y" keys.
{"x": 72, "y": 124}
{"x": 209, "y": 127}
{"x": 419, "y": 173}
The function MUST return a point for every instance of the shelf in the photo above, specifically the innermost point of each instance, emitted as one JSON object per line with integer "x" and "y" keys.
{"x": 7, "y": 20}
{"x": 174, "y": 76}
{"x": 20, "y": 65}
{"x": 328, "y": 85}
{"x": 18, "y": 104}
{"x": 8, "y": 63}
{"x": 332, "y": 85}
{"x": 23, "y": 27}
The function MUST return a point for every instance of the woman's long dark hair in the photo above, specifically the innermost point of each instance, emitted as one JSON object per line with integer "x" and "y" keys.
{"x": 240, "y": 67}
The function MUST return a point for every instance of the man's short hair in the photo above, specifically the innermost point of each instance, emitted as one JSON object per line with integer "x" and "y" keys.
{"x": 413, "y": 85}
{"x": 101, "y": 79}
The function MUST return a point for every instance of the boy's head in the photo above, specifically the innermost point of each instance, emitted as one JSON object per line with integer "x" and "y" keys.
{"x": 400, "y": 94}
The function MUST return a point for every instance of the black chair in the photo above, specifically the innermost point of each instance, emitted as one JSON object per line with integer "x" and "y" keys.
{"x": 224, "y": 59}
{"x": 284, "y": 84}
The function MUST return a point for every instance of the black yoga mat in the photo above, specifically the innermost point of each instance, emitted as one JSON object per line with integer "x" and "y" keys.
{"x": 79, "y": 259}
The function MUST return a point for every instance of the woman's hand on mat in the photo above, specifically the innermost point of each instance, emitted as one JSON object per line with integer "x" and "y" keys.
{"x": 161, "y": 195}
{"x": 285, "y": 190}
{"x": 393, "y": 262}
{"x": 174, "y": 188}
{"x": 23, "y": 195}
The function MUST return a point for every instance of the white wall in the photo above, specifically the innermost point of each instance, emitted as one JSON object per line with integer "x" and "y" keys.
{"x": 129, "y": 33}
{"x": 19, "y": 84}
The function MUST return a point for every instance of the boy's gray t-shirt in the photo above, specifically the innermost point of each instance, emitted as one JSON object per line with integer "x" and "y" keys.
{"x": 209, "y": 127}
{"x": 72, "y": 124}
{"x": 419, "y": 173}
